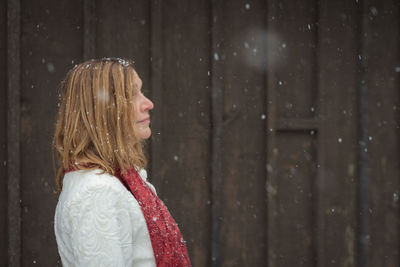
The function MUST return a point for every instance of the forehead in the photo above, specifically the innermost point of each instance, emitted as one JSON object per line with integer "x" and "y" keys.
{"x": 138, "y": 81}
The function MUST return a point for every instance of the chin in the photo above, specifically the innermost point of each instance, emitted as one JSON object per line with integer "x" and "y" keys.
{"x": 145, "y": 135}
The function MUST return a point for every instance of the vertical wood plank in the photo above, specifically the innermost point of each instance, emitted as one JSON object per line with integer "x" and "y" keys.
{"x": 271, "y": 184}
{"x": 292, "y": 129}
{"x": 381, "y": 142}
{"x": 295, "y": 163}
{"x": 46, "y": 56}
{"x": 242, "y": 144}
{"x": 216, "y": 24}
{"x": 3, "y": 133}
{"x": 364, "y": 157}
{"x": 185, "y": 130}
{"x": 13, "y": 132}
{"x": 294, "y": 26}
{"x": 89, "y": 29}
{"x": 338, "y": 143}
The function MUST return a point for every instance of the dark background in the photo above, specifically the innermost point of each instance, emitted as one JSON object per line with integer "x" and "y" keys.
{"x": 275, "y": 129}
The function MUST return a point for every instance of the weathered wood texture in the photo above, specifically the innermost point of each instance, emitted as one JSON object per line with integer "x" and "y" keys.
{"x": 50, "y": 45}
{"x": 381, "y": 52}
{"x": 183, "y": 169}
{"x": 217, "y": 120}
{"x": 14, "y": 233}
{"x": 292, "y": 132}
{"x": 338, "y": 140}
{"x": 3, "y": 133}
{"x": 275, "y": 132}
{"x": 243, "y": 162}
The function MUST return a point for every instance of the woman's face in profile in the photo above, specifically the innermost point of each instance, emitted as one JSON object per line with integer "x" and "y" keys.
{"x": 142, "y": 106}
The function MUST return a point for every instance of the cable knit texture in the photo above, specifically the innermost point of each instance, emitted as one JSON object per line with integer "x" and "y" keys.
{"x": 98, "y": 222}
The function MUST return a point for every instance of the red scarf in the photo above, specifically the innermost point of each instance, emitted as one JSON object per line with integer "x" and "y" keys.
{"x": 166, "y": 239}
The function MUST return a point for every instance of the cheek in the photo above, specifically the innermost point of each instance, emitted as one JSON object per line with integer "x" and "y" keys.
{"x": 135, "y": 109}
{"x": 135, "y": 112}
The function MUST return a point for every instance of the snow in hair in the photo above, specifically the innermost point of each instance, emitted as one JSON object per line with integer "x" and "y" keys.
{"x": 95, "y": 126}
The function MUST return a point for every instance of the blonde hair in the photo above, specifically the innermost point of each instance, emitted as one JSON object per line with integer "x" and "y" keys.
{"x": 95, "y": 125}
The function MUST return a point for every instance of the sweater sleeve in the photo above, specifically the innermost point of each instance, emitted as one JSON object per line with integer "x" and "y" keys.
{"x": 101, "y": 227}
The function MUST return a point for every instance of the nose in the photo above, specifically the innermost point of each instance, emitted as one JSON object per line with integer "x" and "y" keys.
{"x": 147, "y": 104}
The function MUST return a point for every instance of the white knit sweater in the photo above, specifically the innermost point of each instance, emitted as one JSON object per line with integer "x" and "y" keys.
{"x": 98, "y": 222}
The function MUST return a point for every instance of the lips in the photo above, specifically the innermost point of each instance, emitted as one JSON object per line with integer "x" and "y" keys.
{"x": 145, "y": 120}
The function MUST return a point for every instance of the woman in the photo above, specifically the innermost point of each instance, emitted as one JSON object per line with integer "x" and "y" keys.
{"x": 107, "y": 213}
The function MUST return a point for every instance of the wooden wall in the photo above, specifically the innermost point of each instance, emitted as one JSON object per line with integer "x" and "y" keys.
{"x": 3, "y": 132}
{"x": 275, "y": 129}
